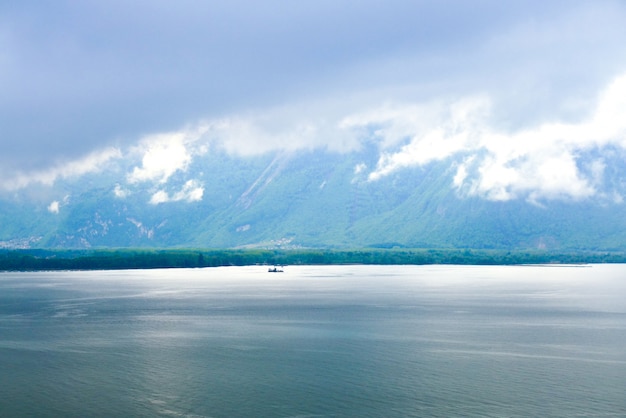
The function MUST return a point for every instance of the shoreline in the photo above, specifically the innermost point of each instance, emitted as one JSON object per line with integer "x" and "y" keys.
{"x": 143, "y": 258}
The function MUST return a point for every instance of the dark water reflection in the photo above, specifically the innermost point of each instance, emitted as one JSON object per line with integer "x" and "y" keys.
{"x": 349, "y": 341}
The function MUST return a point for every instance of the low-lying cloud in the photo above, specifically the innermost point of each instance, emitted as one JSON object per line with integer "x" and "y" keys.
{"x": 162, "y": 155}
{"x": 91, "y": 163}
{"x": 191, "y": 191}
{"x": 548, "y": 160}
{"x": 53, "y": 207}
{"x": 539, "y": 162}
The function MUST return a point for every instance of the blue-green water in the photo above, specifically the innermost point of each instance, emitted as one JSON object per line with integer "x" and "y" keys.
{"x": 348, "y": 341}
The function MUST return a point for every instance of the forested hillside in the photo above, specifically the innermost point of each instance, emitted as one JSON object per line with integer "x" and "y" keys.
{"x": 301, "y": 200}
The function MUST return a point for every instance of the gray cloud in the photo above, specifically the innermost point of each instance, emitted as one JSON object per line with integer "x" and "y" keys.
{"x": 79, "y": 77}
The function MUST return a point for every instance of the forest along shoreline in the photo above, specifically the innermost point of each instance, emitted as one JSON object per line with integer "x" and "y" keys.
{"x": 122, "y": 259}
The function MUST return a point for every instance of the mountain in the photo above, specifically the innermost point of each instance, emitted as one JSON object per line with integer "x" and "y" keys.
{"x": 299, "y": 199}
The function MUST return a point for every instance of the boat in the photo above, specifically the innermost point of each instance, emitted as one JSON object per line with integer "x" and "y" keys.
{"x": 275, "y": 269}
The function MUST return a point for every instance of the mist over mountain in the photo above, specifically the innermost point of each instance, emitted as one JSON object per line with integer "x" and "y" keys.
{"x": 313, "y": 124}
{"x": 310, "y": 198}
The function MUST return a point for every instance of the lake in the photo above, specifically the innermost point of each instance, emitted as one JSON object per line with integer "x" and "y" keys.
{"x": 315, "y": 341}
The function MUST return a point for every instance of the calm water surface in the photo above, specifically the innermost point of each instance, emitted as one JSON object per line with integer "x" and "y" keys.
{"x": 349, "y": 341}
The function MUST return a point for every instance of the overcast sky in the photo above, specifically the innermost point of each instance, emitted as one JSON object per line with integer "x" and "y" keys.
{"x": 84, "y": 82}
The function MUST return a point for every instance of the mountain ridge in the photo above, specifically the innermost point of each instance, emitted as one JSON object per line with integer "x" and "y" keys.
{"x": 312, "y": 199}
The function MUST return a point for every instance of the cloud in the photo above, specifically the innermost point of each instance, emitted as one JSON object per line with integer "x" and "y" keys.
{"x": 80, "y": 76}
{"x": 300, "y": 127}
{"x": 543, "y": 161}
{"x": 91, "y": 163}
{"x": 430, "y": 132}
{"x": 165, "y": 154}
{"x": 192, "y": 191}
{"x": 503, "y": 91}
{"x": 159, "y": 197}
{"x": 548, "y": 160}
{"x": 537, "y": 162}
{"x": 53, "y": 207}
{"x": 121, "y": 193}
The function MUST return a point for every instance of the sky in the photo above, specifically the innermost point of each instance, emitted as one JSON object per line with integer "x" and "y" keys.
{"x": 514, "y": 92}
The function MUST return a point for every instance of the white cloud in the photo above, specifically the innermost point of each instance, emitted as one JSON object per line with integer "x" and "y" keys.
{"x": 534, "y": 163}
{"x": 535, "y": 62}
{"x": 539, "y": 162}
{"x": 192, "y": 191}
{"x": 456, "y": 128}
{"x": 359, "y": 168}
{"x": 258, "y": 135}
{"x": 159, "y": 197}
{"x": 462, "y": 172}
{"x": 166, "y": 153}
{"x": 91, "y": 163}
{"x": 549, "y": 160}
{"x": 537, "y": 177}
{"x": 120, "y": 193}
{"x": 54, "y": 207}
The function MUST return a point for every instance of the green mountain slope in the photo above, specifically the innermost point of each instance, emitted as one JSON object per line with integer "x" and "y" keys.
{"x": 311, "y": 199}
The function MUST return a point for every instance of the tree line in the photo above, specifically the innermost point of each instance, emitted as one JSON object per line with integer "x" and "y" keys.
{"x": 119, "y": 259}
